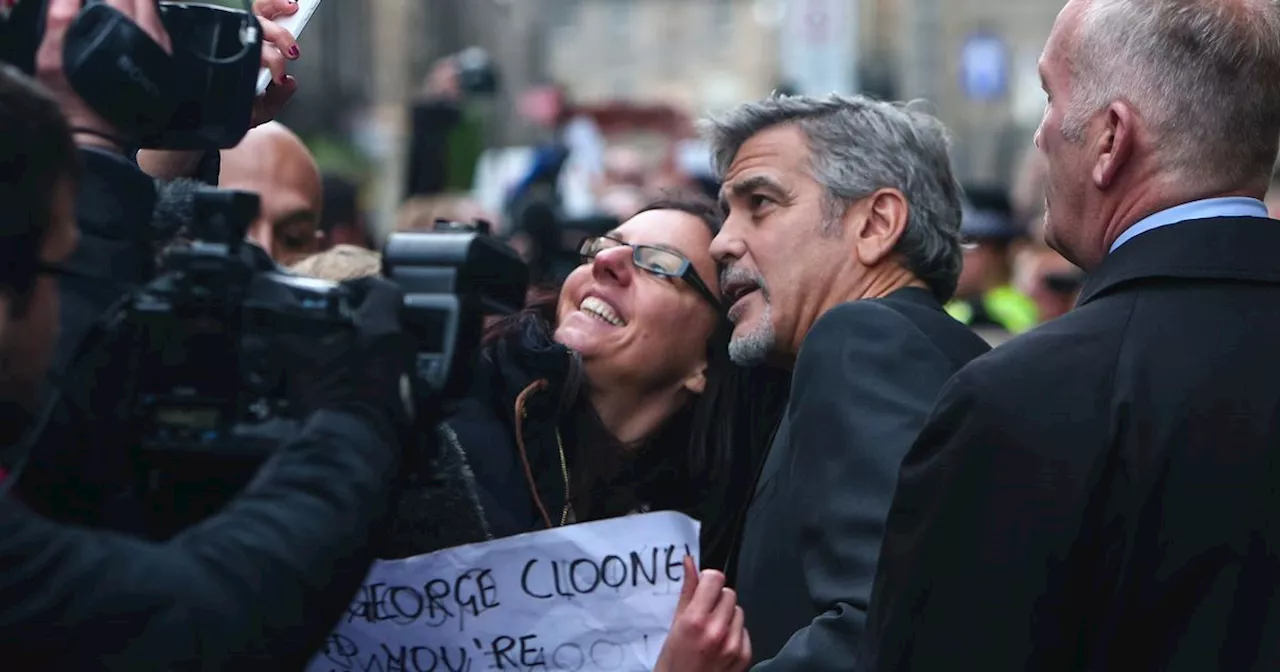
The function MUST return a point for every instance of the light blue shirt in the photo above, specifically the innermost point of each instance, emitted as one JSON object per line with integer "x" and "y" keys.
{"x": 1209, "y": 208}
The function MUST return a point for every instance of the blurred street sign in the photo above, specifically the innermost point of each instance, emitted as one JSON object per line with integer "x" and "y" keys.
{"x": 819, "y": 40}
{"x": 984, "y": 65}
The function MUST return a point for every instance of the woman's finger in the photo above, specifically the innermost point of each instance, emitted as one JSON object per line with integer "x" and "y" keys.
{"x": 274, "y": 61}
{"x": 689, "y": 585}
{"x": 733, "y": 643}
{"x": 274, "y": 9}
{"x": 275, "y": 34}
{"x": 723, "y": 613}
{"x": 745, "y": 654}
{"x": 708, "y": 593}
{"x": 273, "y": 100}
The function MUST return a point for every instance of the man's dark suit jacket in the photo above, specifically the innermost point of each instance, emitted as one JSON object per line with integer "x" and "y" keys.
{"x": 1103, "y": 493}
{"x": 864, "y": 381}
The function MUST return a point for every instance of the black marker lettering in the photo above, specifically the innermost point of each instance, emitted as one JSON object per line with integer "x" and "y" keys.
{"x": 568, "y": 657}
{"x": 437, "y": 590}
{"x": 606, "y": 655}
{"x": 502, "y": 645}
{"x": 555, "y": 572}
{"x": 584, "y": 585}
{"x": 488, "y": 589}
{"x": 676, "y": 564}
{"x": 618, "y": 573}
{"x": 406, "y": 602}
{"x": 524, "y": 582}
{"x": 638, "y": 569}
{"x": 464, "y": 662}
{"x": 340, "y": 651}
{"x": 395, "y": 659}
{"x": 423, "y": 659}
{"x": 530, "y": 654}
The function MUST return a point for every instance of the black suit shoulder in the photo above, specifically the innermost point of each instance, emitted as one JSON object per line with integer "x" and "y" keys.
{"x": 864, "y": 381}
{"x": 1073, "y": 358}
{"x": 909, "y": 318}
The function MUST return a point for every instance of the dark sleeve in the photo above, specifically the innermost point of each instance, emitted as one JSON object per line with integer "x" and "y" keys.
{"x": 428, "y": 171}
{"x": 968, "y": 569}
{"x": 265, "y": 580}
{"x": 114, "y": 203}
{"x": 863, "y": 386}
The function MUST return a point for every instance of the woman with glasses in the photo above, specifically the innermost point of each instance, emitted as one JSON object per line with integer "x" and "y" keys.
{"x": 615, "y": 395}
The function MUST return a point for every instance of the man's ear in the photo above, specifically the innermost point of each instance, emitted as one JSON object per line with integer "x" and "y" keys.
{"x": 878, "y": 222}
{"x": 697, "y": 382}
{"x": 1116, "y": 145}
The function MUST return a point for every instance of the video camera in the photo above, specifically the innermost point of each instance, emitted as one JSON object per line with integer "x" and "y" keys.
{"x": 200, "y": 97}
{"x": 206, "y": 392}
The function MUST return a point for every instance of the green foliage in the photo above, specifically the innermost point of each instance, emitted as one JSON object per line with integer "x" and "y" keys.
{"x": 338, "y": 156}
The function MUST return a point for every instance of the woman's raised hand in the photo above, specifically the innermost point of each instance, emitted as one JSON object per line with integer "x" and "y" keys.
{"x": 708, "y": 633}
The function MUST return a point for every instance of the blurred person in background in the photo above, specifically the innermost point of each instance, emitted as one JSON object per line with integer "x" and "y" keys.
{"x": 342, "y": 220}
{"x": 1101, "y": 492}
{"x": 275, "y": 164}
{"x": 1048, "y": 279}
{"x": 622, "y": 201}
{"x": 421, "y": 213}
{"x": 448, "y": 136}
{"x": 841, "y": 245}
{"x": 1272, "y": 199}
{"x": 986, "y": 299}
{"x": 1027, "y": 194}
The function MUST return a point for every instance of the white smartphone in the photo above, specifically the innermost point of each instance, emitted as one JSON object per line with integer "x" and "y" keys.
{"x": 294, "y": 24}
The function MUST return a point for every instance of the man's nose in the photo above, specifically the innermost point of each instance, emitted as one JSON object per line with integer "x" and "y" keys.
{"x": 613, "y": 265}
{"x": 726, "y": 247}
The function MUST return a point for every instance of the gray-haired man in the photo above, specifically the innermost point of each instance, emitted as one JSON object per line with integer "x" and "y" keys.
{"x": 841, "y": 244}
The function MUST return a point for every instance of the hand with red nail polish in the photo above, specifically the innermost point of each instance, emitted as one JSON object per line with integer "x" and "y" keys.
{"x": 278, "y": 48}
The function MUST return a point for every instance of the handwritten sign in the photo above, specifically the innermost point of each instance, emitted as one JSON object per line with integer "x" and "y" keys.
{"x": 595, "y": 596}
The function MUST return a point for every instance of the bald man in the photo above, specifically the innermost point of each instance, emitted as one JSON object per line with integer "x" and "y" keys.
{"x": 272, "y": 162}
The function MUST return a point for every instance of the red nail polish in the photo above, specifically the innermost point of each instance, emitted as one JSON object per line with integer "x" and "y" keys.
{"x": 293, "y": 51}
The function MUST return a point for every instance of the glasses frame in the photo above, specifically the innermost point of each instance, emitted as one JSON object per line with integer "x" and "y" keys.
{"x": 687, "y": 272}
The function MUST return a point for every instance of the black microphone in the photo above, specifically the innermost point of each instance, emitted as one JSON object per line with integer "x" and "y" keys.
{"x": 175, "y": 211}
{"x": 176, "y": 216}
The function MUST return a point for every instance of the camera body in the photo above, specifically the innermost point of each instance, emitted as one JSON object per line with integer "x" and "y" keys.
{"x": 206, "y": 391}
{"x": 200, "y": 97}
{"x": 210, "y": 335}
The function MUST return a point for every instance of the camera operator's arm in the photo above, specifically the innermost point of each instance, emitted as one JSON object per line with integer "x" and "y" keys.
{"x": 262, "y": 583}
{"x": 115, "y": 198}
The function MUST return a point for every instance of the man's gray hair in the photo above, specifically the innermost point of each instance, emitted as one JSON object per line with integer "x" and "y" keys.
{"x": 1203, "y": 74}
{"x": 857, "y": 146}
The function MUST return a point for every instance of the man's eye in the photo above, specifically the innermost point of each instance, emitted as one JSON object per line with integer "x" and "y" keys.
{"x": 758, "y": 201}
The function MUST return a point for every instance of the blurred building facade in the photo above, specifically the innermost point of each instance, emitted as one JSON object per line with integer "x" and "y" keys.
{"x": 975, "y": 61}
{"x": 363, "y": 62}
{"x": 694, "y": 54}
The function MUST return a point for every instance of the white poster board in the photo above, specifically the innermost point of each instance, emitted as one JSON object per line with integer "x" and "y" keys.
{"x": 594, "y": 596}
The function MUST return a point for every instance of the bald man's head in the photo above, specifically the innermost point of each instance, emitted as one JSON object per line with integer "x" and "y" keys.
{"x": 272, "y": 162}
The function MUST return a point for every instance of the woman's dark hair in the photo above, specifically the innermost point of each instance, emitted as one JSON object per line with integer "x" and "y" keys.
{"x": 725, "y": 432}
{"x": 37, "y": 155}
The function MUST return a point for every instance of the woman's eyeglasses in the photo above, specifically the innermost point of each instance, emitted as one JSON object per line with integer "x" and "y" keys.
{"x": 655, "y": 260}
